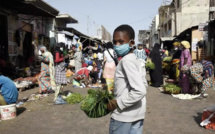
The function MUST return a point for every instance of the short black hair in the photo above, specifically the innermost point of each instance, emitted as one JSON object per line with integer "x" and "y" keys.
{"x": 109, "y": 45}
{"x": 126, "y": 28}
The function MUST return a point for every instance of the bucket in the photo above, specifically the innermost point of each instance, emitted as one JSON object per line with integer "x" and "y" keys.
{"x": 8, "y": 111}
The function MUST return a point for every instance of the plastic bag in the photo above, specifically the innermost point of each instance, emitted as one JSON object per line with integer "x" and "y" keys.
{"x": 75, "y": 83}
{"x": 60, "y": 100}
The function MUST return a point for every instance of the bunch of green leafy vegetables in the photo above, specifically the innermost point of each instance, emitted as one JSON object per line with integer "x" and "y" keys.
{"x": 95, "y": 103}
{"x": 167, "y": 59}
{"x": 74, "y": 98}
{"x": 171, "y": 88}
{"x": 150, "y": 65}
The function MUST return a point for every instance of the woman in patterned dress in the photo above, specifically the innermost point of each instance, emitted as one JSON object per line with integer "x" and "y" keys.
{"x": 46, "y": 77}
{"x": 185, "y": 59}
{"x": 202, "y": 73}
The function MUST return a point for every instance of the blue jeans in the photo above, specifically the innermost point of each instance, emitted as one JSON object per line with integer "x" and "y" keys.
{"x": 117, "y": 127}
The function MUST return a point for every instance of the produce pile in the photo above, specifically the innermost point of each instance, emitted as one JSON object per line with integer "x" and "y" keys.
{"x": 172, "y": 89}
{"x": 150, "y": 65}
{"x": 95, "y": 103}
{"x": 74, "y": 98}
{"x": 167, "y": 59}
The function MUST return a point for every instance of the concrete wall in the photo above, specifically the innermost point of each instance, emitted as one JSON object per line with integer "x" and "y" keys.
{"x": 154, "y": 31}
{"x": 192, "y": 13}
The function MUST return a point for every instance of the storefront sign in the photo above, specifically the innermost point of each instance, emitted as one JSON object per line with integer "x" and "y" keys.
{"x": 212, "y": 9}
{"x": 194, "y": 44}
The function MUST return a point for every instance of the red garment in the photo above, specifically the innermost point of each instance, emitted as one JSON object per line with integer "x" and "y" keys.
{"x": 84, "y": 71}
{"x": 58, "y": 58}
{"x": 119, "y": 58}
{"x": 84, "y": 65}
{"x": 147, "y": 51}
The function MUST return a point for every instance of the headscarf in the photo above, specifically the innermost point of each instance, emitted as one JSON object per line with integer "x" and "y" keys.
{"x": 176, "y": 43}
{"x": 186, "y": 44}
{"x": 156, "y": 48}
{"x": 90, "y": 68}
{"x": 51, "y": 66}
{"x": 94, "y": 56}
{"x": 42, "y": 47}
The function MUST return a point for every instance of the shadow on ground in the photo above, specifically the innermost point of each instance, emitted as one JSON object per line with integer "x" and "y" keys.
{"x": 20, "y": 110}
{"x": 198, "y": 118}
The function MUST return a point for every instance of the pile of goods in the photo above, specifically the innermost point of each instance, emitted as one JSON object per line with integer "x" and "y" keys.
{"x": 74, "y": 98}
{"x": 171, "y": 89}
{"x": 166, "y": 65}
{"x": 150, "y": 65}
{"x": 26, "y": 82}
{"x": 95, "y": 103}
{"x": 167, "y": 59}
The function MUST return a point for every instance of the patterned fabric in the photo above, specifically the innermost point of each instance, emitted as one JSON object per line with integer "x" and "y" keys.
{"x": 196, "y": 72}
{"x": 209, "y": 82}
{"x": 203, "y": 72}
{"x": 109, "y": 70}
{"x": 208, "y": 69}
{"x": 184, "y": 80}
{"x": 44, "y": 77}
{"x": 60, "y": 74}
{"x": 175, "y": 63}
{"x": 141, "y": 54}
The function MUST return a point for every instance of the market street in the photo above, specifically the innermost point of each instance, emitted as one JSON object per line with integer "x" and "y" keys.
{"x": 165, "y": 115}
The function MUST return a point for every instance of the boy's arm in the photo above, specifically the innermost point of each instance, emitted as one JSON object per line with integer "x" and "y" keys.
{"x": 137, "y": 86}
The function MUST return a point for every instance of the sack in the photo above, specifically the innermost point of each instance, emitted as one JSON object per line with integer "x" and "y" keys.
{"x": 72, "y": 63}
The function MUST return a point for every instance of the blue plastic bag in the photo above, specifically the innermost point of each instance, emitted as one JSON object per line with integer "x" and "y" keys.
{"x": 60, "y": 100}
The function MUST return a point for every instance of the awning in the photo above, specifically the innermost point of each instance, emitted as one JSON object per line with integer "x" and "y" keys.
{"x": 72, "y": 30}
{"x": 66, "y": 33}
{"x": 167, "y": 38}
{"x": 186, "y": 33}
{"x": 66, "y": 18}
{"x": 29, "y": 7}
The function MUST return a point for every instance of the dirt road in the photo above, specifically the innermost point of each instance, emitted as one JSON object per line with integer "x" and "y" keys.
{"x": 165, "y": 115}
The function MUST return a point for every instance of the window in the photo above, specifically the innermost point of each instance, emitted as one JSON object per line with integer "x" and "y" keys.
{"x": 170, "y": 25}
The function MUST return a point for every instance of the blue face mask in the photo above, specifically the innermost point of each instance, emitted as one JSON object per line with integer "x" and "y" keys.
{"x": 122, "y": 50}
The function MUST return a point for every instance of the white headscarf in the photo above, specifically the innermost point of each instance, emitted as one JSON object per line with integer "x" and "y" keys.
{"x": 51, "y": 66}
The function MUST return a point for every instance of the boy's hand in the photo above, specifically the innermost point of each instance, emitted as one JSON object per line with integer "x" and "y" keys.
{"x": 112, "y": 105}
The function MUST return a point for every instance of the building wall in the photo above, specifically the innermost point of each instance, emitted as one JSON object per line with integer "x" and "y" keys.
{"x": 166, "y": 20}
{"x": 192, "y": 13}
{"x": 197, "y": 54}
{"x": 154, "y": 32}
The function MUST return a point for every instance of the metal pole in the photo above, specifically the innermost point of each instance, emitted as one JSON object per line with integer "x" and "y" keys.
{"x": 175, "y": 17}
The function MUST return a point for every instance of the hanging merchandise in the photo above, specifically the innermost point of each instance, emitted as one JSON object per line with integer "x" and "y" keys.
{"x": 74, "y": 41}
{"x": 69, "y": 43}
{"x": 61, "y": 38}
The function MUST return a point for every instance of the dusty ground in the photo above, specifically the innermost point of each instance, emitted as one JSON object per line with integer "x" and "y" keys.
{"x": 165, "y": 115}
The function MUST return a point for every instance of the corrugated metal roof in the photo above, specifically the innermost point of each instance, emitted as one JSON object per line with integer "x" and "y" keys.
{"x": 29, "y": 7}
{"x": 66, "y": 18}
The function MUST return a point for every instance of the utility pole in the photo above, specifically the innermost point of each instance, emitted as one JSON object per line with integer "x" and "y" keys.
{"x": 88, "y": 24}
{"x": 175, "y": 17}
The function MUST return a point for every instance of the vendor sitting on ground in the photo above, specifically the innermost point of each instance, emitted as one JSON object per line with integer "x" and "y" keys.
{"x": 202, "y": 73}
{"x": 82, "y": 75}
{"x": 9, "y": 93}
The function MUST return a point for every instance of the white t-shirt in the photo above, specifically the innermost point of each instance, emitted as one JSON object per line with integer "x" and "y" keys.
{"x": 100, "y": 56}
{"x": 107, "y": 55}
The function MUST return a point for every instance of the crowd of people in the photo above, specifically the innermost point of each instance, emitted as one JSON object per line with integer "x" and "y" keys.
{"x": 121, "y": 66}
